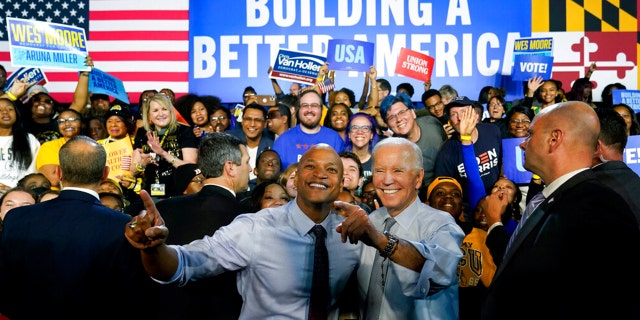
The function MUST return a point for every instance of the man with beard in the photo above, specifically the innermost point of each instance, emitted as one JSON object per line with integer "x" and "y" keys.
{"x": 295, "y": 141}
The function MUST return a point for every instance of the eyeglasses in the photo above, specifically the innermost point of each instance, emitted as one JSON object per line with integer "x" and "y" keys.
{"x": 355, "y": 128}
{"x": 399, "y": 114}
{"x": 220, "y": 118}
{"x": 272, "y": 115}
{"x": 433, "y": 106}
{"x": 309, "y": 105}
{"x": 256, "y": 120}
{"x": 247, "y": 95}
{"x": 495, "y": 105}
{"x": 525, "y": 121}
{"x": 69, "y": 120}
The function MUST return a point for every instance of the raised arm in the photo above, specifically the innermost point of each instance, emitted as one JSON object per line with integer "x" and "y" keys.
{"x": 81, "y": 94}
{"x": 362, "y": 102}
{"x": 475, "y": 187}
{"x": 276, "y": 87}
{"x": 148, "y": 233}
{"x": 358, "y": 227}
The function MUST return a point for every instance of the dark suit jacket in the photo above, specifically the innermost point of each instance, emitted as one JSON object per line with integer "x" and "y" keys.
{"x": 619, "y": 177}
{"x": 192, "y": 217}
{"x": 571, "y": 259}
{"x": 70, "y": 254}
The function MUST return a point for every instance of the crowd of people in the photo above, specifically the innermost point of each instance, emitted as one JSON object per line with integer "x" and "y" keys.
{"x": 317, "y": 206}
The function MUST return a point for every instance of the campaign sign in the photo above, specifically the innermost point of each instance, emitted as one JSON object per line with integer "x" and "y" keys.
{"x": 42, "y": 44}
{"x": 414, "y": 64}
{"x": 526, "y": 67}
{"x": 533, "y": 46}
{"x": 513, "y": 161}
{"x": 631, "y": 155}
{"x": 297, "y": 66}
{"x": 628, "y": 97}
{"x": 349, "y": 55}
{"x": 31, "y": 76}
{"x": 102, "y": 82}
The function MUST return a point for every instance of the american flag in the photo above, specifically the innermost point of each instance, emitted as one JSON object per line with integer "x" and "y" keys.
{"x": 144, "y": 43}
{"x": 325, "y": 85}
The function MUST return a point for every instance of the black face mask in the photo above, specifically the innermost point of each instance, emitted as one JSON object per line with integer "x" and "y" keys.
{"x": 40, "y": 190}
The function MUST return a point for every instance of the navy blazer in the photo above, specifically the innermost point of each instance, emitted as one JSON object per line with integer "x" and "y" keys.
{"x": 571, "y": 259}
{"x": 618, "y": 176}
{"x": 191, "y": 217}
{"x": 70, "y": 254}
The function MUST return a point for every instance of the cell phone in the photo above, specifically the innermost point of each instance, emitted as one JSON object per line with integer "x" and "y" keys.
{"x": 266, "y": 100}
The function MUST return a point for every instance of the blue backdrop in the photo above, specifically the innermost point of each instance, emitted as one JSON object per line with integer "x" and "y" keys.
{"x": 232, "y": 44}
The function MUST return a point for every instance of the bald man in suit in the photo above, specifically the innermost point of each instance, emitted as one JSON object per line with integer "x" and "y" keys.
{"x": 570, "y": 259}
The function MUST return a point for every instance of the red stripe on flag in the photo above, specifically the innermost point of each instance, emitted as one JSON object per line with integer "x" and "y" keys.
{"x": 139, "y": 15}
{"x": 138, "y": 35}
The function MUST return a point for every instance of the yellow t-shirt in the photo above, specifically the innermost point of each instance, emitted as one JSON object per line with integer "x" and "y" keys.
{"x": 48, "y": 153}
{"x": 476, "y": 265}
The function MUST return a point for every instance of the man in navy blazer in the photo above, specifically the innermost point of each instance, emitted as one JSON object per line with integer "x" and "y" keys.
{"x": 571, "y": 257}
{"x": 223, "y": 160}
{"x": 65, "y": 257}
{"x": 608, "y": 164}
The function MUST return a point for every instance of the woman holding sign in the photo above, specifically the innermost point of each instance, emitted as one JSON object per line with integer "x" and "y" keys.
{"x": 119, "y": 147}
{"x": 162, "y": 145}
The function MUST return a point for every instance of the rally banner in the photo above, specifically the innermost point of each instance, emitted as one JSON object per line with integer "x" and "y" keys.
{"x": 468, "y": 46}
{"x": 102, "y": 82}
{"x": 297, "y": 66}
{"x": 349, "y": 55}
{"x": 414, "y": 65}
{"x": 46, "y": 45}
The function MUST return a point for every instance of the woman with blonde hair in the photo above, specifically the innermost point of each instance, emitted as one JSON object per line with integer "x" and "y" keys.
{"x": 160, "y": 146}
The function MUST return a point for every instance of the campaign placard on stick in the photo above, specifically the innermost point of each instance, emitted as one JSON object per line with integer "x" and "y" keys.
{"x": 29, "y": 75}
{"x": 631, "y": 155}
{"x": 46, "y": 45}
{"x": 350, "y": 55}
{"x": 297, "y": 66}
{"x": 102, "y": 82}
{"x": 513, "y": 161}
{"x": 414, "y": 64}
{"x": 116, "y": 150}
{"x": 526, "y": 67}
{"x": 533, "y": 46}
{"x": 628, "y": 97}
